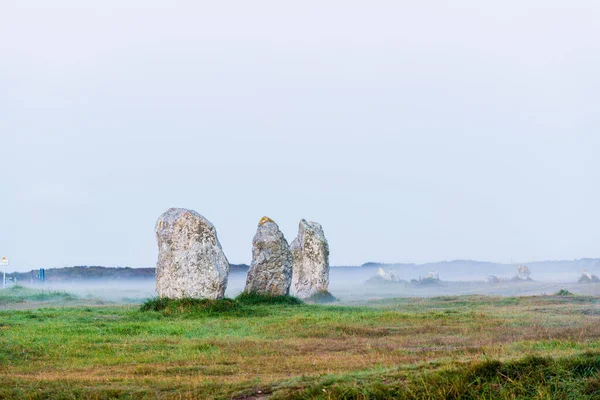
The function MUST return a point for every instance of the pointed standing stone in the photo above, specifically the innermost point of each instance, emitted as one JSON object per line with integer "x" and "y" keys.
{"x": 271, "y": 268}
{"x": 191, "y": 262}
{"x": 311, "y": 260}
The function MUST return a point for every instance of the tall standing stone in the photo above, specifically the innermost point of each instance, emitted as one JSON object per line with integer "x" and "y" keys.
{"x": 311, "y": 260}
{"x": 271, "y": 268}
{"x": 191, "y": 262}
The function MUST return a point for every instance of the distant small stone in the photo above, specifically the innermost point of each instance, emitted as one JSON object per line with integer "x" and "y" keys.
{"x": 523, "y": 273}
{"x": 191, "y": 262}
{"x": 387, "y": 275}
{"x": 587, "y": 277}
{"x": 311, "y": 260}
{"x": 271, "y": 268}
{"x": 433, "y": 275}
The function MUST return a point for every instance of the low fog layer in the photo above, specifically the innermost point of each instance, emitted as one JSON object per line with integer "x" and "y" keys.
{"x": 355, "y": 284}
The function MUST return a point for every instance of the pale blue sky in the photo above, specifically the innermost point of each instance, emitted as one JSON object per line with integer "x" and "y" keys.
{"x": 412, "y": 131}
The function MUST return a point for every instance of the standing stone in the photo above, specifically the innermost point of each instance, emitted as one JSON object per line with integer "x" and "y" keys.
{"x": 311, "y": 260}
{"x": 191, "y": 262}
{"x": 271, "y": 268}
{"x": 523, "y": 273}
{"x": 387, "y": 275}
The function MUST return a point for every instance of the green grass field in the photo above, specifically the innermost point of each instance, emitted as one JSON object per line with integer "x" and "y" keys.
{"x": 544, "y": 347}
{"x": 20, "y": 294}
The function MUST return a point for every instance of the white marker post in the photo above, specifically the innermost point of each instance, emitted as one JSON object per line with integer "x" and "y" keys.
{"x": 4, "y": 262}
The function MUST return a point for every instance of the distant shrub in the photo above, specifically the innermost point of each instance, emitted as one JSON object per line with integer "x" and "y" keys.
{"x": 321, "y": 297}
{"x": 429, "y": 281}
{"x": 251, "y": 298}
{"x": 563, "y": 292}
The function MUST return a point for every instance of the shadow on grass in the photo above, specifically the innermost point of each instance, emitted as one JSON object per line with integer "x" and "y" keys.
{"x": 321, "y": 297}
{"x": 251, "y": 298}
{"x": 187, "y": 305}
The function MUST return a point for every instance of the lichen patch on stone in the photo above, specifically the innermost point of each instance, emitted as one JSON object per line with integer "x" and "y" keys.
{"x": 264, "y": 220}
{"x": 271, "y": 268}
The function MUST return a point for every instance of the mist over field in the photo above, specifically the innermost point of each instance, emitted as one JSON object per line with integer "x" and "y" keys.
{"x": 355, "y": 284}
{"x": 145, "y": 145}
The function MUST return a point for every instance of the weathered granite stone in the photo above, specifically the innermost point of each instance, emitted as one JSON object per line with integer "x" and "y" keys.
{"x": 271, "y": 268}
{"x": 311, "y": 260}
{"x": 191, "y": 262}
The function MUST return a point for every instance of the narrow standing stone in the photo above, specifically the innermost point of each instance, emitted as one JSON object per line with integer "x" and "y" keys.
{"x": 271, "y": 268}
{"x": 311, "y": 260}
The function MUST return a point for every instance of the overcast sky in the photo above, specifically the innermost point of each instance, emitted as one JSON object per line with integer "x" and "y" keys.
{"x": 412, "y": 131}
